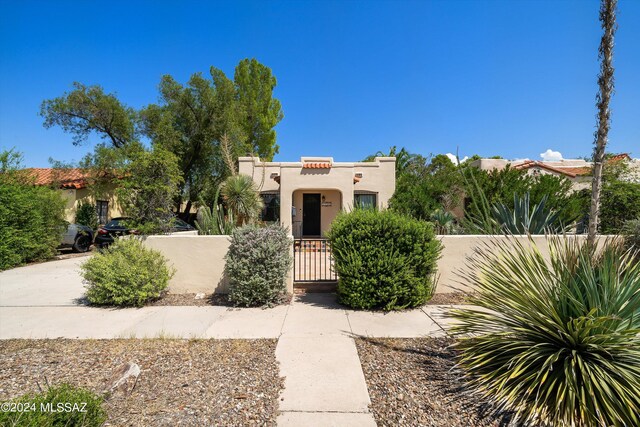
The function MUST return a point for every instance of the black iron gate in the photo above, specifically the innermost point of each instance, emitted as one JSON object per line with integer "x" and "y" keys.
{"x": 312, "y": 261}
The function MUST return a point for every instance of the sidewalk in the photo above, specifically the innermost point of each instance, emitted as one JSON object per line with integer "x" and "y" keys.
{"x": 324, "y": 382}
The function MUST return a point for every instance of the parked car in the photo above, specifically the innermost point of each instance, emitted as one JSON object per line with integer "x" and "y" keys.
{"x": 118, "y": 227}
{"x": 77, "y": 237}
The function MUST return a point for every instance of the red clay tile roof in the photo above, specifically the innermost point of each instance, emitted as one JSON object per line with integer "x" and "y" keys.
{"x": 570, "y": 172}
{"x": 67, "y": 178}
{"x": 311, "y": 165}
{"x": 618, "y": 157}
{"x": 577, "y": 171}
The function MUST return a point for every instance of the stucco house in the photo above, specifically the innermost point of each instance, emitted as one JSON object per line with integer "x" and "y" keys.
{"x": 578, "y": 171}
{"x": 306, "y": 196}
{"x": 73, "y": 185}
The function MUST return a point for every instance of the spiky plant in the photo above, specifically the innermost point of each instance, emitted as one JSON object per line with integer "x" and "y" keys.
{"x": 444, "y": 221}
{"x": 242, "y": 198}
{"x": 524, "y": 219}
{"x": 212, "y": 221}
{"x": 555, "y": 340}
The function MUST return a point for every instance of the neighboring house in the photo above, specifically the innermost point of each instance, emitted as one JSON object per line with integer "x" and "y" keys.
{"x": 578, "y": 171}
{"x": 73, "y": 185}
{"x": 306, "y": 196}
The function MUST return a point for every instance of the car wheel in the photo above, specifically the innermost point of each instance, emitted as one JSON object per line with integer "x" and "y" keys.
{"x": 82, "y": 243}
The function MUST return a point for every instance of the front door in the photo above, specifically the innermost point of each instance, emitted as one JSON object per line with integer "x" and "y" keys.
{"x": 311, "y": 214}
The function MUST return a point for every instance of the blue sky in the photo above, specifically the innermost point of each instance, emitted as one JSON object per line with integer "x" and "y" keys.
{"x": 510, "y": 78}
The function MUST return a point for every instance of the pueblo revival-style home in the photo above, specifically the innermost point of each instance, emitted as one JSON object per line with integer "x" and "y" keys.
{"x": 306, "y": 196}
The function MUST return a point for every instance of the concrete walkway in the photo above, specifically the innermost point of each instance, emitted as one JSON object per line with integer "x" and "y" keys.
{"x": 324, "y": 382}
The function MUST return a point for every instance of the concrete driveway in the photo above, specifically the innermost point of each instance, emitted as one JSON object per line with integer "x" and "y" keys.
{"x": 53, "y": 283}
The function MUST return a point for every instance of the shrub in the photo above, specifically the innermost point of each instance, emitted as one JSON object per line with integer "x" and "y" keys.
{"x": 31, "y": 223}
{"x": 86, "y": 214}
{"x": 631, "y": 232}
{"x": 555, "y": 341}
{"x": 126, "y": 274}
{"x": 383, "y": 259}
{"x": 72, "y": 407}
{"x": 257, "y": 265}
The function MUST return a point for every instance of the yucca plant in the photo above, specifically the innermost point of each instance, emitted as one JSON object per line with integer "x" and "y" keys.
{"x": 242, "y": 198}
{"x": 524, "y": 219}
{"x": 555, "y": 340}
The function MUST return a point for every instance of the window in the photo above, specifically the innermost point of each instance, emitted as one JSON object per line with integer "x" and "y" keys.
{"x": 102, "y": 209}
{"x": 365, "y": 200}
{"x": 271, "y": 207}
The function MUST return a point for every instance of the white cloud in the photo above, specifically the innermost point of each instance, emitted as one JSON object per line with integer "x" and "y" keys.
{"x": 453, "y": 159}
{"x": 551, "y": 156}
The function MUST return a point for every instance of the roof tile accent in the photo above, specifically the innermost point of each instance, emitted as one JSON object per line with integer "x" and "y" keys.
{"x": 312, "y": 165}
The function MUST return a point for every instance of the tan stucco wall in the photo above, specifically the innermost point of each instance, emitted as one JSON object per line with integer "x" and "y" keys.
{"x": 199, "y": 262}
{"x": 73, "y": 199}
{"x": 456, "y": 249}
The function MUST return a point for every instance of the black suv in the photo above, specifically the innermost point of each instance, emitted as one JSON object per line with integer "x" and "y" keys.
{"x": 118, "y": 227}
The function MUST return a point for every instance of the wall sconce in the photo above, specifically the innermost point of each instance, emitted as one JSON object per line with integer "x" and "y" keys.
{"x": 323, "y": 198}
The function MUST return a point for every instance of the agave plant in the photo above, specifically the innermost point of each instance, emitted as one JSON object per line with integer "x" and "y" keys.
{"x": 443, "y": 221}
{"x": 241, "y": 197}
{"x": 555, "y": 339}
{"x": 523, "y": 219}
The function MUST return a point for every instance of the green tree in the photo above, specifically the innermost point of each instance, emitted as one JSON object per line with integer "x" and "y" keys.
{"x": 88, "y": 109}
{"x": 148, "y": 188}
{"x": 186, "y": 123}
{"x": 261, "y": 112}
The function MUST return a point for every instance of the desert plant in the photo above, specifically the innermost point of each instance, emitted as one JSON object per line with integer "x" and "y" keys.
{"x": 554, "y": 340}
{"x": 383, "y": 259}
{"x": 443, "y": 221}
{"x": 62, "y": 405}
{"x": 126, "y": 274}
{"x": 523, "y": 219}
{"x": 212, "y": 221}
{"x": 241, "y": 197}
{"x": 257, "y": 265}
{"x": 631, "y": 233}
{"x": 86, "y": 214}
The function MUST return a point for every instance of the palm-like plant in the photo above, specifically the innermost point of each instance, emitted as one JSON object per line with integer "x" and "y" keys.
{"x": 242, "y": 198}
{"x": 555, "y": 341}
{"x": 523, "y": 219}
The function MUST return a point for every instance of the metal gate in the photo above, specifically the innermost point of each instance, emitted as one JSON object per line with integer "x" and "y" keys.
{"x": 312, "y": 261}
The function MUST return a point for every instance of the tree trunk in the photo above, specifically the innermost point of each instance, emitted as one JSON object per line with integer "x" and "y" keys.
{"x": 605, "y": 90}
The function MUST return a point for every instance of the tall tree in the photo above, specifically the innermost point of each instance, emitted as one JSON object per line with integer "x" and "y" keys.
{"x": 260, "y": 110}
{"x": 605, "y": 91}
{"x": 187, "y": 123}
{"x": 88, "y": 109}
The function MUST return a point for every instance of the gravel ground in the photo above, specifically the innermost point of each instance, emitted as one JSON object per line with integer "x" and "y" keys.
{"x": 202, "y": 300}
{"x": 182, "y": 382}
{"x": 412, "y": 382}
{"x": 447, "y": 299}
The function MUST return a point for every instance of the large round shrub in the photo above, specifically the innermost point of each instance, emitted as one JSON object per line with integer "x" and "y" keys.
{"x": 126, "y": 274}
{"x": 62, "y": 405}
{"x": 554, "y": 341}
{"x": 32, "y": 221}
{"x": 258, "y": 262}
{"x": 383, "y": 259}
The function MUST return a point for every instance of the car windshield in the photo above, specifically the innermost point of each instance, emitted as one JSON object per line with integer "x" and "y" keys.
{"x": 180, "y": 223}
{"x": 117, "y": 223}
